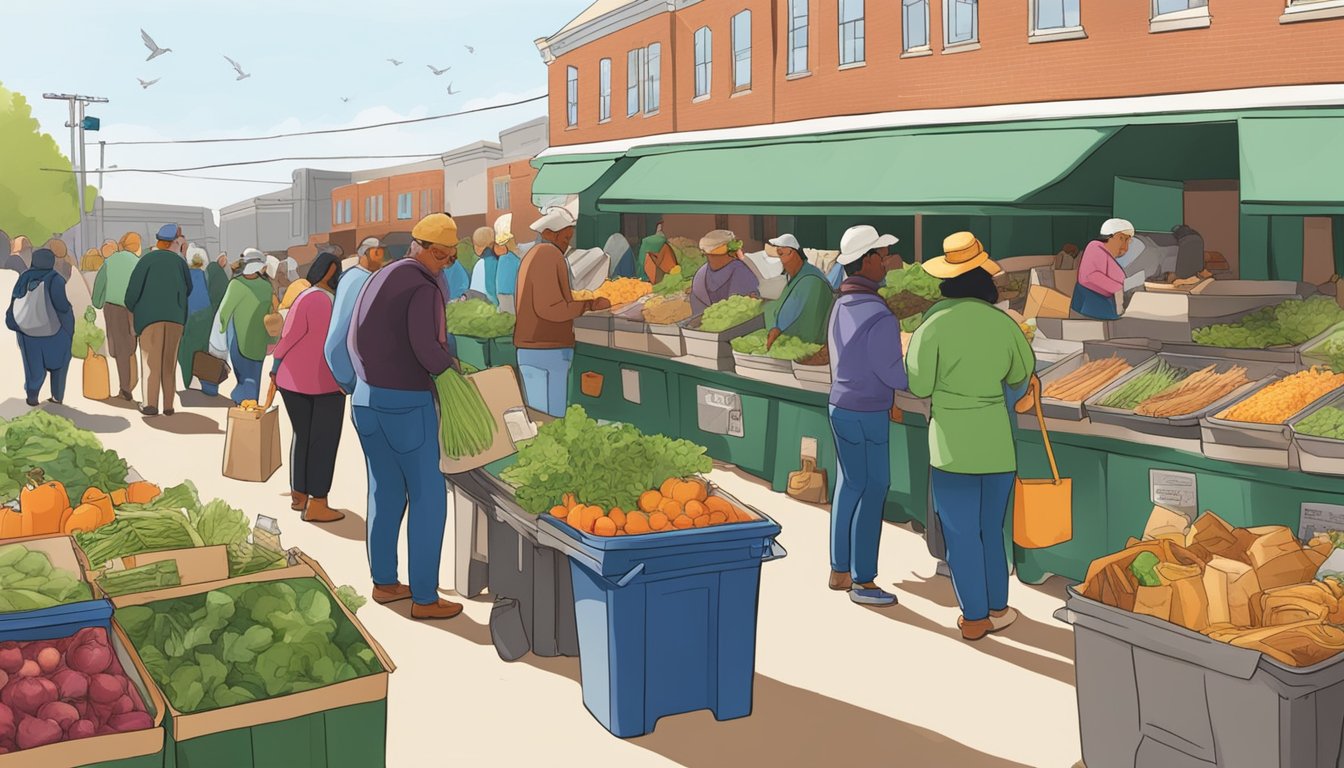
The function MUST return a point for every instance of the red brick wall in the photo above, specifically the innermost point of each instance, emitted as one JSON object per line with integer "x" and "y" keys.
{"x": 520, "y": 174}
{"x": 416, "y": 184}
{"x": 725, "y": 107}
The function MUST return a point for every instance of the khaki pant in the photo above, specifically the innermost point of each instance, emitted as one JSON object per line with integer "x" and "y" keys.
{"x": 158, "y": 354}
{"x": 121, "y": 343}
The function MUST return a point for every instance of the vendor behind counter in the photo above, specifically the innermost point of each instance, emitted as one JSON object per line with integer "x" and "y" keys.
{"x": 804, "y": 307}
{"x": 723, "y": 274}
{"x": 1100, "y": 276}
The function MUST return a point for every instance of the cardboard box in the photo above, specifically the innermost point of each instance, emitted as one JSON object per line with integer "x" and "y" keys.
{"x": 195, "y": 565}
{"x": 252, "y": 445}
{"x": 361, "y": 690}
{"x": 1046, "y": 302}
{"x": 1065, "y": 280}
{"x": 500, "y": 389}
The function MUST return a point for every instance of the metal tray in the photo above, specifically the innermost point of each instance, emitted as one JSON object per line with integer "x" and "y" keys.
{"x": 594, "y": 328}
{"x": 1304, "y": 351}
{"x": 1133, "y": 352}
{"x": 1248, "y": 442}
{"x": 759, "y": 363}
{"x": 716, "y": 346}
{"x": 1318, "y": 455}
{"x": 1186, "y": 425}
{"x": 666, "y": 340}
{"x": 819, "y": 374}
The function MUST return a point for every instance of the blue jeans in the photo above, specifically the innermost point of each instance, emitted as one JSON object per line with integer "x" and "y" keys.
{"x": 43, "y": 356}
{"x": 972, "y": 510}
{"x": 862, "y": 444}
{"x": 546, "y": 378}
{"x": 399, "y": 433}
{"x": 246, "y": 370}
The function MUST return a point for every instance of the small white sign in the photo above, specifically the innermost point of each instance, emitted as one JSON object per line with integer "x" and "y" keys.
{"x": 719, "y": 412}
{"x": 630, "y": 385}
{"x": 1177, "y": 491}
{"x": 1319, "y": 518}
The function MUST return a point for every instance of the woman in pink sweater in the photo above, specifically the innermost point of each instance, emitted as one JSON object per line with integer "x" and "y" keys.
{"x": 313, "y": 399}
{"x": 1100, "y": 278}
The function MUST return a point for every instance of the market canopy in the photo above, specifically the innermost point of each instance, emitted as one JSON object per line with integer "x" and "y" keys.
{"x": 1292, "y": 161}
{"x": 569, "y": 178}
{"x": 956, "y": 172}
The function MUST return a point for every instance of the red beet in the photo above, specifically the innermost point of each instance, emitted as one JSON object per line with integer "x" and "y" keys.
{"x": 4, "y": 679}
{"x": 123, "y": 705}
{"x": 89, "y": 652}
{"x": 81, "y": 729}
{"x": 131, "y": 721}
{"x": 106, "y": 689}
{"x": 30, "y": 669}
{"x": 7, "y": 724}
{"x": 61, "y": 712}
{"x": 29, "y": 694}
{"x": 38, "y": 732}
{"x": 11, "y": 657}
{"x": 72, "y": 685}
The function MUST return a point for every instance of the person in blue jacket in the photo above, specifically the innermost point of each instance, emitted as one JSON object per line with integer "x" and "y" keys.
{"x": 40, "y": 313}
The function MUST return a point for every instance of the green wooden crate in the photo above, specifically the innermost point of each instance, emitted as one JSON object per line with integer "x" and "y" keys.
{"x": 348, "y": 737}
{"x": 501, "y": 351}
{"x": 473, "y": 351}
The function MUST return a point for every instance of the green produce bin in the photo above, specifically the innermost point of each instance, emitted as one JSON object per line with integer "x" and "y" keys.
{"x": 502, "y": 352}
{"x": 473, "y": 351}
{"x": 348, "y": 737}
{"x": 794, "y": 423}
{"x": 646, "y": 404}
{"x": 754, "y": 450}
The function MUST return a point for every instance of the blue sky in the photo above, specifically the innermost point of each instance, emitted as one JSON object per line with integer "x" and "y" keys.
{"x": 303, "y": 56}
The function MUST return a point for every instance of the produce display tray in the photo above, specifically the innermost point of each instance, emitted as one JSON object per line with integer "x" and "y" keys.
{"x": 1305, "y": 351}
{"x": 815, "y": 374}
{"x": 1134, "y": 354}
{"x": 766, "y": 369}
{"x": 1318, "y": 455}
{"x": 665, "y": 340}
{"x": 1185, "y": 425}
{"x": 1265, "y": 445}
{"x": 58, "y": 620}
{"x": 594, "y": 328}
{"x": 716, "y": 346}
{"x": 1277, "y": 355}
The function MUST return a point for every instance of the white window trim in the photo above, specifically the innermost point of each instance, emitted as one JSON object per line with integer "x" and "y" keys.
{"x": 963, "y": 45}
{"x": 788, "y": 43}
{"x": 798, "y": 75}
{"x": 1053, "y": 34}
{"x": 1191, "y": 18}
{"x": 918, "y": 53}
{"x": 709, "y": 62}
{"x": 738, "y": 88}
{"x": 743, "y": 92}
{"x": 647, "y": 81}
{"x": 919, "y": 50}
{"x": 855, "y": 65}
{"x": 1312, "y": 11}
{"x": 840, "y": 47}
{"x": 600, "y": 118}
{"x": 973, "y": 45}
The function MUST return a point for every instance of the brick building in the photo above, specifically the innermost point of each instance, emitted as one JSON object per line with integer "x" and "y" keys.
{"x": 1027, "y": 120}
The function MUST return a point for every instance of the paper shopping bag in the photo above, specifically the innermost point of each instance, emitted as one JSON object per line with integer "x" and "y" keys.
{"x": 1153, "y": 601}
{"x": 252, "y": 445}
{"x": 1042, "y": 509}
{"x": 1189, "y": 603}
{"x": 97, "y": 379}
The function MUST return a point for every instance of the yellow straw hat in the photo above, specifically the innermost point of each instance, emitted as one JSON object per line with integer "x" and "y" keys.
{"x": 962, "y": 252}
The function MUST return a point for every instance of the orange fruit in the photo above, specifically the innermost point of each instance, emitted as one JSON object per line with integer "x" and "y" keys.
{"x": 690, "y": 490}
{"x": 560, "y": 512}
{"x": 617, "y": 516}
{"x": 649, "y": 501}
{"x": 657, "y": 521}
{"x": 604, "y": 526}
{"x": 575, "y": 518}
{"x": 590, "y": 516}
{"x": 683, "y": 522}
{"x": 669, "y": 485}
{"x": 717, "y": 518}
{"x": 701, "y": 521}
{"x": 671, "y": 508}
{"x": 636, "y": 523}
{"x": 695, "y": 509}
{"x": 718, "y": 504}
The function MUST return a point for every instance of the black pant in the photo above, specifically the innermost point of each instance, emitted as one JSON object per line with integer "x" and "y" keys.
{"x": 317, "y": 422}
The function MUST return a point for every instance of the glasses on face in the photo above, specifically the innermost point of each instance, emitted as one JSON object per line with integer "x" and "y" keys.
{"x": 444, "y": 250}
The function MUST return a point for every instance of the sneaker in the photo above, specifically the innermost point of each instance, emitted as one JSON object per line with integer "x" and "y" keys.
{"x": 871, "y": 594}
{"x": 1004, "y": 619}
{"x": 390, "y": 593}
{"x": 974, "y": 630}
{"x": 439, "y": 609}
{"x": 841, "y": 581}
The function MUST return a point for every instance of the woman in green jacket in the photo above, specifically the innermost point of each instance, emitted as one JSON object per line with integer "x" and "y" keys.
{"x": 969, "y": 357}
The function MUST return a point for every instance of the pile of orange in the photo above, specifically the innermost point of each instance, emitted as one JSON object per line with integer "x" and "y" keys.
{"x": 677, "y": 505}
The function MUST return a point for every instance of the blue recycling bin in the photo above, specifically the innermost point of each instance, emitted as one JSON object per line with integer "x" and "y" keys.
{"x": 666, "y": 621}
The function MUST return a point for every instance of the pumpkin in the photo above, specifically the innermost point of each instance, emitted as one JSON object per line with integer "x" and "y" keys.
{"x": 84, "y": 518}
{"x": 102, "y": 501}
{"x": 118, "y": 497}
{"x": 11, "y": 523}
{"x": 141, "y": 492}
{"x": 41, "y": 503}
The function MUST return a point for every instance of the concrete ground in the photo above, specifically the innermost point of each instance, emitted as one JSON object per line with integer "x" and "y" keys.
{"x": 836, "y": 684}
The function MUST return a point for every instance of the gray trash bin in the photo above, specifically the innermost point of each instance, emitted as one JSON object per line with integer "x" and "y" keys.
{"x": 1154, "y": 695}
{"x": 471, "y": 505}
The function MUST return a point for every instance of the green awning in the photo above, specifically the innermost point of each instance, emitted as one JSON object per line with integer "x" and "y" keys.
{"x": 1295, "y": 160}
{"x": 980, "y": 171}
{"x": 568, "y": 178}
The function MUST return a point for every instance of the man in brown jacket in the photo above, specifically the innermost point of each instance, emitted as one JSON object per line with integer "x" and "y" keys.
{"x": 544, "y": 333}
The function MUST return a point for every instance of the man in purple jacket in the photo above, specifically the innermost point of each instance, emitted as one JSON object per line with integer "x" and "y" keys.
{"x": 723, "y": 274}
{"x": 398, "y": 345}
{"x": 866, "y": 370}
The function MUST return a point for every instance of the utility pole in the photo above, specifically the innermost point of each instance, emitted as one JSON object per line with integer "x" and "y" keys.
{"x": 76, "y": 125}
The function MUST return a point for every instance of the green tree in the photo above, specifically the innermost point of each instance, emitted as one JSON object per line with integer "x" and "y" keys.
{"x": 34, "y": 202}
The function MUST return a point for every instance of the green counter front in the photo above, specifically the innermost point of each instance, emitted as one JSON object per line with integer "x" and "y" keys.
{"x": 1111, "y": 477}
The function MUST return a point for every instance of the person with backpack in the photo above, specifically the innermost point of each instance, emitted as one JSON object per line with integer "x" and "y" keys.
{"x": 41, "y": 315}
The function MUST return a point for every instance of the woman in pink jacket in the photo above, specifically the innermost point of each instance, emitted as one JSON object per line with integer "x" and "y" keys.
{"x": 313, "y": 399}
{"x": 1100, "y": 278}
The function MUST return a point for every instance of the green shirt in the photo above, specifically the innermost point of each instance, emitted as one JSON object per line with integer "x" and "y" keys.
{"x": 109, "y": 287}
{"x": 246, "y": 303}
{"x": 158, "y": 288}
{"x": 804, "y": 309}
{"x": 962, "y": 356}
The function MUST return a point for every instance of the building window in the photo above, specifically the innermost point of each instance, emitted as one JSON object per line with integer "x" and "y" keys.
{"x": 572, "y": 96}
{"x": 368, "y": 210}
{"x": 851, "y": 32}
{"x": 1309, "y": 10}
{"x": 405, "y": 206}
{"x": 424, "y": 203}
{"x": 349, "y": 211}
{"x": 633, "y": 75}
{"x": 962, "y": 21}
{"x": 742, "y": 51}
{"x": 336, "y": 213}
{"x": 502, "y": 193}
{"x": 603, "y": 90}
{"x": 1171, "y": 15}
{"x": 704, "y": 62}
{"x": 915, "y": 25}
{"x": 797, "y": 37}
{"x": 1162, "y": 7}
{"x": 653, "y": 75}
{"x": 1056, "y": 20}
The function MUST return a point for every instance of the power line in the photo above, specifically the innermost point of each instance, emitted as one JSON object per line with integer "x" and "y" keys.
{"x": 211, "y": 178}
{"x": 329, "y": 131}
{"x": 307, "y": 158}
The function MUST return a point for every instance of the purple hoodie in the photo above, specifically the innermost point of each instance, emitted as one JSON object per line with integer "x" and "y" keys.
{"x": 715, "y": 285}
{"x": 865, "y": 346}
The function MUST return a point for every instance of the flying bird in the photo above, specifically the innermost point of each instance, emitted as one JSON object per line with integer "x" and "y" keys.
{"x": 345, "y": 98}
{"x": 451, "y": 92}
{"x": 395, "y": 63}
{"x": 154, "y": 50}
{"x": 238, "y": 68}
{"x": 146, "y": 83}
{"x": 436, "y": 70}
{"x": 469, "y": 49}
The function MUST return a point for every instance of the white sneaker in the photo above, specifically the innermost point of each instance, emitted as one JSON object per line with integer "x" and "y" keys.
{"x": 1004, "y": 621}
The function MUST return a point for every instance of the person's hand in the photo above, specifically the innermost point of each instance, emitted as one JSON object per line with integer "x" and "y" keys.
{"x": 897, "y": 415}
{"x": 601, "y": 302}
{"x": 772, "y": 338}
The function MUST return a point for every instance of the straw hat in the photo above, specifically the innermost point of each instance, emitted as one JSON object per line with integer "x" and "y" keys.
{"x": 962, "y": 252}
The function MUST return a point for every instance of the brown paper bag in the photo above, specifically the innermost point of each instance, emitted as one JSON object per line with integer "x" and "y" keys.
{"x": 1292, "y": 567}
{"x": 1154, "y": 601}
{"x": 1118, "y": 587}
{"x": 1302, "y": 602}
{"x": 1231, "y": 587}
{"x": 1213, "y": 534}
{"x": 809, "y": 483}
{"x": 1271, "y": 542}
{"x": 1123, "y": 558}
{"x": 252, "y": 445}
{"x": 97, "y": 379}
{"x": 1189, "y": 604}
{"x": 1163, "y": 523}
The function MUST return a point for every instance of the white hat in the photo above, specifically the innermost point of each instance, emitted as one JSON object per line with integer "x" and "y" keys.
{"x": 369, "y": 242}
{"x": 860, "y": 240}
{"x": 251, "y": 255}
{"x": 194, "y": 252}
{"x": 786, "y": 241}
{"x": 253, "y": 267}
{"x": 1115, "y": 227}
{"x": 553, "y": 219}
{"x": 716, "y": 239}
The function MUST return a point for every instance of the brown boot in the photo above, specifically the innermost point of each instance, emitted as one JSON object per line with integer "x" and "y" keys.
{"x": 440, "y": 609}
{"x": 319, "y": 512}
{"x": 297, "y": 501}
{"x": 841, "y": 581}
{"x": 1003, "y": 619}
{"x": 974, "y": 630}
{"x": 390, "y": 593}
